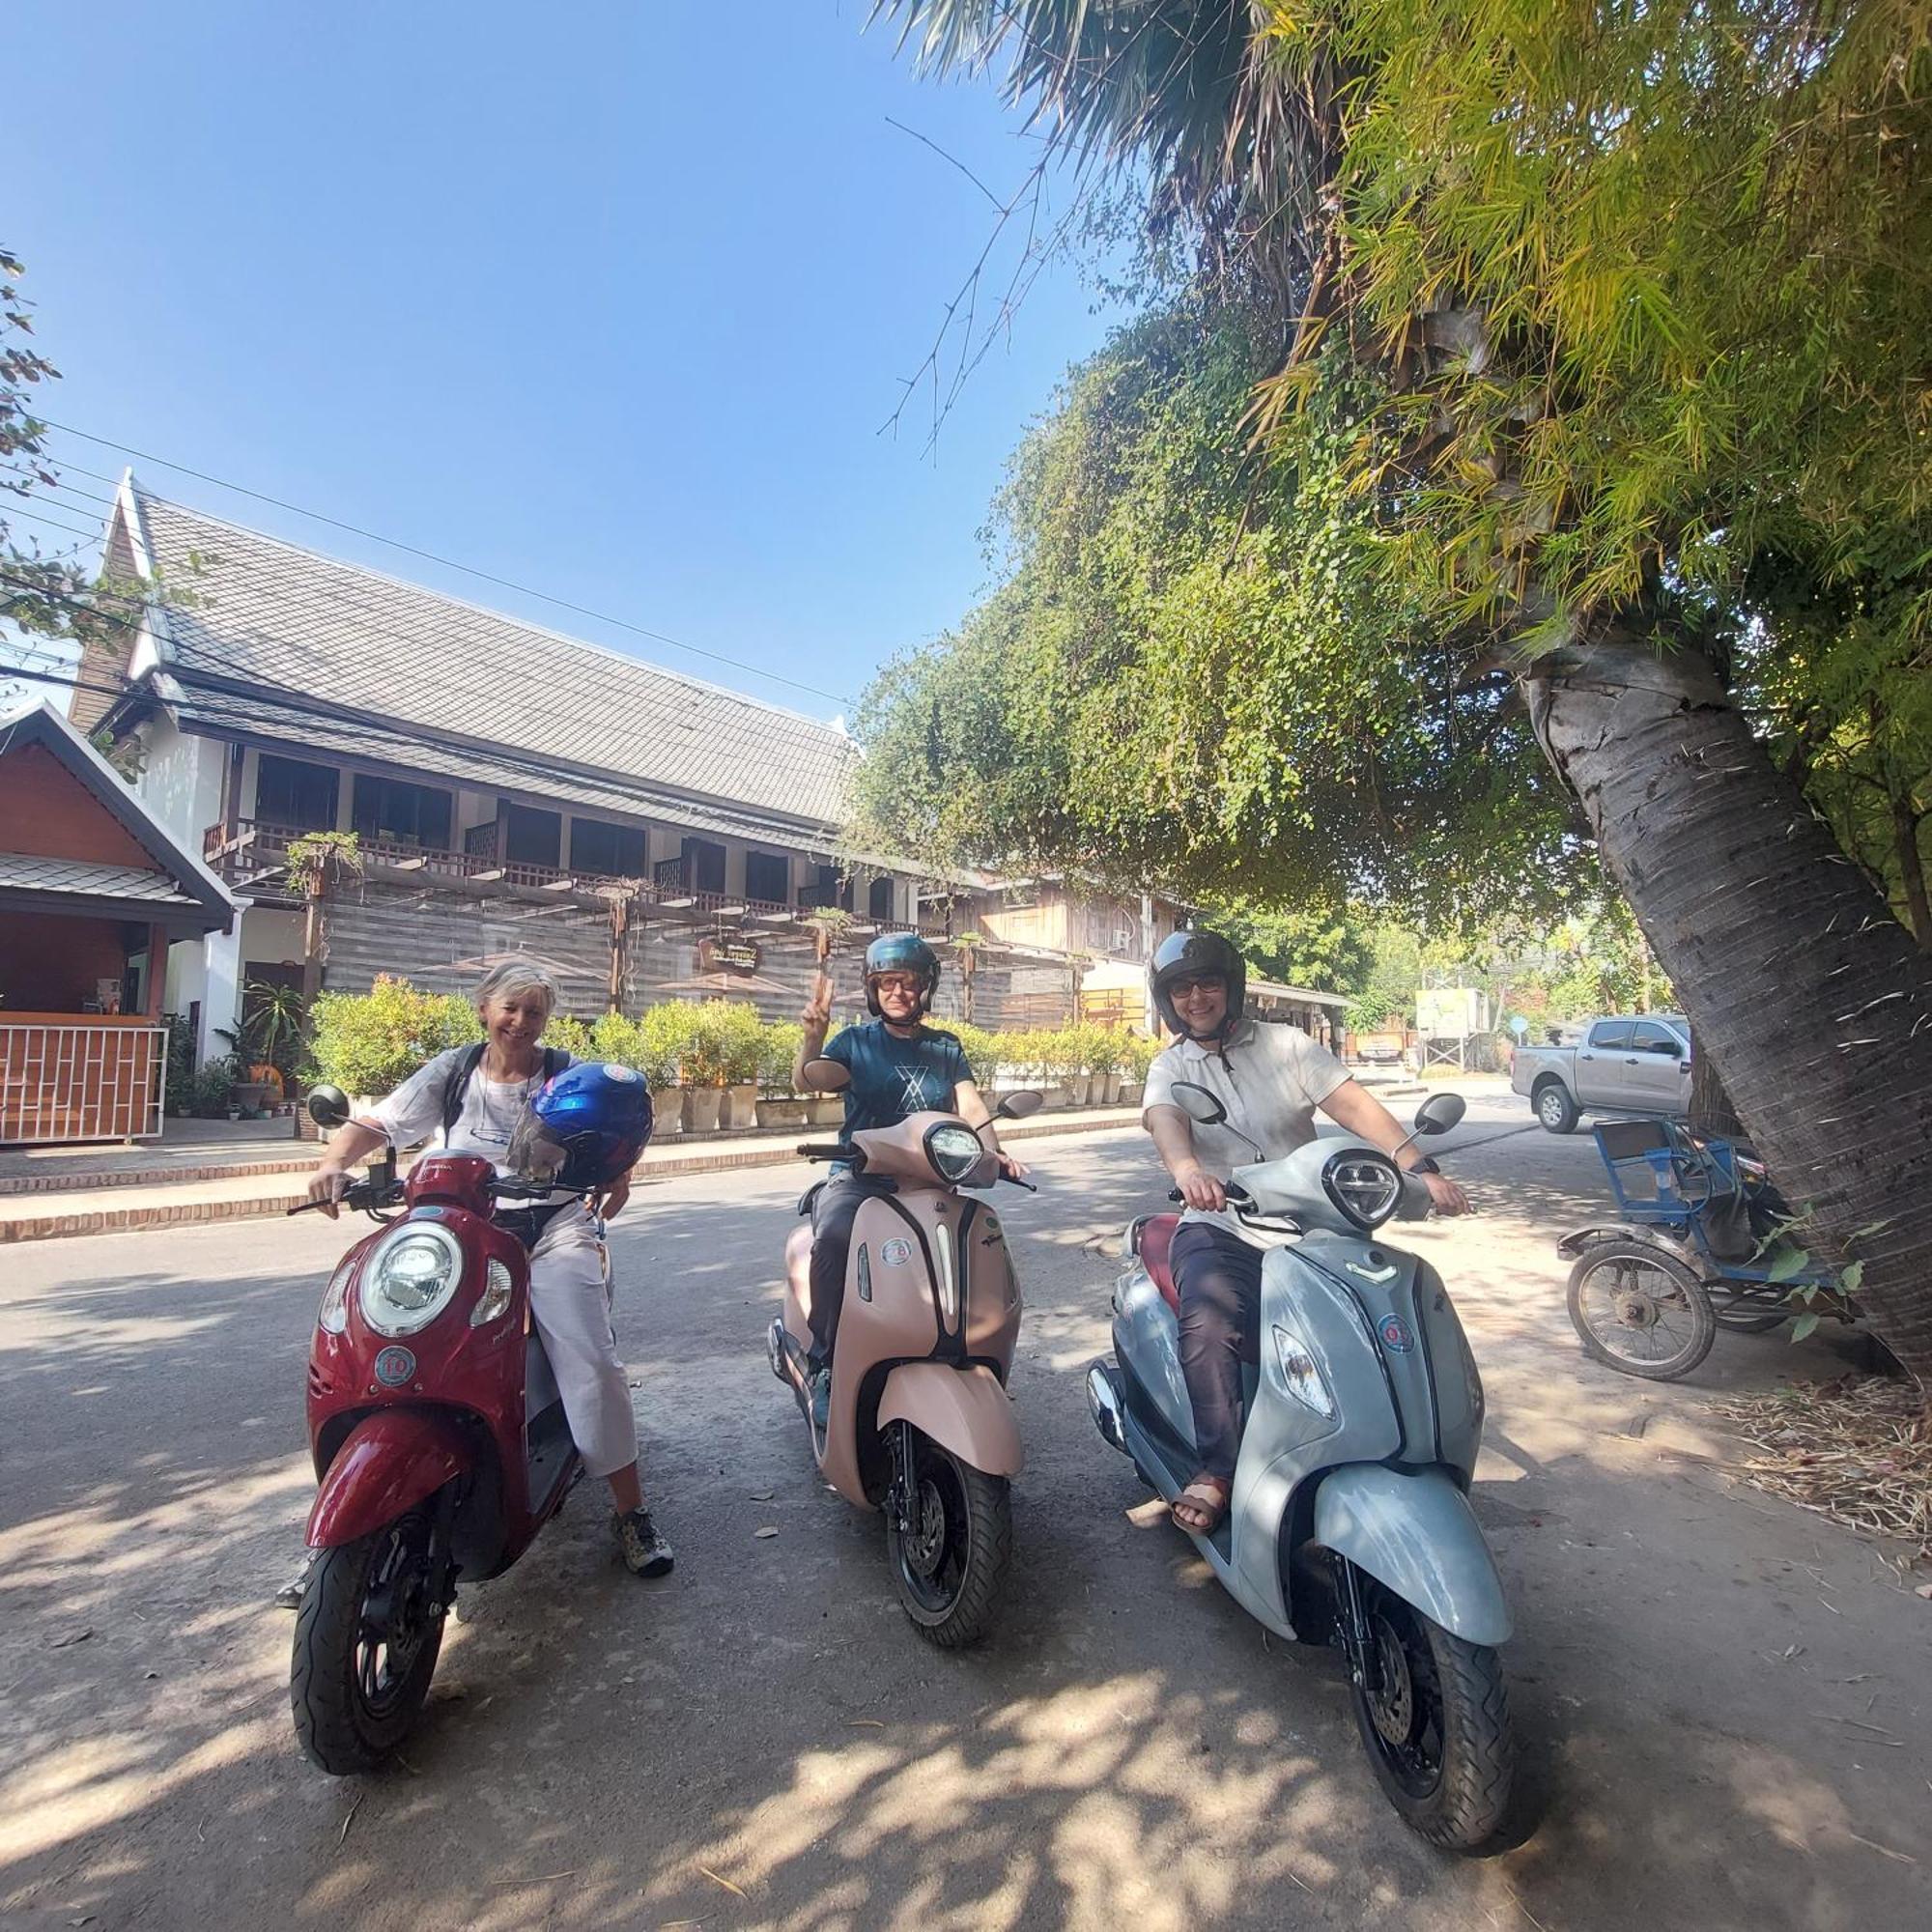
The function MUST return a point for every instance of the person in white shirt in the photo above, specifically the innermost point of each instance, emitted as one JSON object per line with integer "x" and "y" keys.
{"x": 1271, "y": 1079}
{"x": 476, "y": 1097}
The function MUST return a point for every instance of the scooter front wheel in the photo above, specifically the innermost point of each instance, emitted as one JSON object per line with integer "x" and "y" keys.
{"x": 950, "y": 1558}
{"x": 366, "y": 1642}
{"x": 1433, "y": 1713}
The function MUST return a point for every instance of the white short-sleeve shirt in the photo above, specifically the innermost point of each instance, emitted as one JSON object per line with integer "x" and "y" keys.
{"x": 490, "y": 1111}
{"x": 1270, "y": 1078}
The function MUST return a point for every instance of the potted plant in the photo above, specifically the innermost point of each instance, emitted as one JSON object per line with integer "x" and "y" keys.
{"x": 701, "y": 1070}
{"x": 738, "y": 1034}
{"x": 778, "y": 1105}
{"x": 663, "y": 1035}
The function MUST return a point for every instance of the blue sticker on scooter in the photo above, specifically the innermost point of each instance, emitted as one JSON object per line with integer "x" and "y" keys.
{"x": 895, "y": 1254}
{"x": 1394, "y": 1331}
{"x": 394, "y": 1367}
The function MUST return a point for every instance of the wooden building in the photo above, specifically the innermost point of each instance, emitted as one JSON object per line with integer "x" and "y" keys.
{"x": 93, "y": 893}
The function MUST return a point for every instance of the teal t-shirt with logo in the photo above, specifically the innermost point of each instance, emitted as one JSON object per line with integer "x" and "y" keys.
{"x": 894, "y": 1077}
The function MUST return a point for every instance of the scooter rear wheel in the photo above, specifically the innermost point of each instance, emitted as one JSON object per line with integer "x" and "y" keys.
{"x": 1434, "y": 1714}
{"x": 367, "y": 1636}
{"x": 951, "y": 1564}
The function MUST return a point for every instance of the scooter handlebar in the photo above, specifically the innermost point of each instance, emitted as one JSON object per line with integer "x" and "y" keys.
{"x": 830, "y": 1150}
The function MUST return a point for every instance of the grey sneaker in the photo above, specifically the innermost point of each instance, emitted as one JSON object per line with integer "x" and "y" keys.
{"x": 819, "y": 1388}
{"x": 290, "y": 1595}
{"x": 645, "y": 1551}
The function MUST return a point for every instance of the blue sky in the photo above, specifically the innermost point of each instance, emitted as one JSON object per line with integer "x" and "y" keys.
{"x": 608, "y": 298}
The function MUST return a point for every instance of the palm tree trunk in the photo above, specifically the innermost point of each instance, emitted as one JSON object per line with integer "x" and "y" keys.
{"x": 1811, "y": 998}
{"x": 1911, "y": 868}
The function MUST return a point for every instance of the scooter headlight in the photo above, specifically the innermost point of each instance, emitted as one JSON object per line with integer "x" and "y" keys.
{"x": 408, "y": 1282}
{"x": 332, "y": 1316}
{"x": 955, "y": 1151}
{"x": 1300, "y": 1376}
{"x": 1367, "y": 1187}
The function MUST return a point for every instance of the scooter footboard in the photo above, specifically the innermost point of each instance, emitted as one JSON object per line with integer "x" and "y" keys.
{"x": 1417, "y": 1535}
{"x": 391, "y": 1461}
{"x": 965, "y": 1410}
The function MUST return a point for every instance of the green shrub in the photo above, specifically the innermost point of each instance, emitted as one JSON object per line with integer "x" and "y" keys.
{"x": 984, "y": 1050}
{"x": 213, "y": 1087}
{"x": 615, "y": 1037}
{"x": 777, "y": 1048}
{"x": 667, "y": 1036}
{"x": 733, "y": 1035}
{"x": 572, "y": 1035}
{"x": 371, "y": 1043}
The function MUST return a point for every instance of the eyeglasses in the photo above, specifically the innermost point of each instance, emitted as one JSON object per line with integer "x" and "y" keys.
{"x": 894, "y": 982}
{"x": 1208, "y": 982}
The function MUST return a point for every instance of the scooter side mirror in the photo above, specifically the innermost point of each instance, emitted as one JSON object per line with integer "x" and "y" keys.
{"x": 1439, "y": 1113}
{"x": 1198, "y": 1103}
{"x": 1016, "y": 1106}
{"x": 327, "y": 1107}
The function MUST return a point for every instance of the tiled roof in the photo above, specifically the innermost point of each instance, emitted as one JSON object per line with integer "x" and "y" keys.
{"x": 262, "y": 611}
{"x": 23, "y": 871}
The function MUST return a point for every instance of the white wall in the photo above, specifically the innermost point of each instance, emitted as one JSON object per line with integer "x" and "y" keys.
{"x": 181, "y": 782}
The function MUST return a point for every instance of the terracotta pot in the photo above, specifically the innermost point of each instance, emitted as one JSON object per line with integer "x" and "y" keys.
{"x": 1078, "y": 1087}
{"x": 703, "y": 1107}
{"x": 825, "y": 1110}
{"x": 741, "y": 1105}
{"x": 666, "y": 1112}
{"x": 1130, "y": 1094}
{"x": 785, "y": 1112}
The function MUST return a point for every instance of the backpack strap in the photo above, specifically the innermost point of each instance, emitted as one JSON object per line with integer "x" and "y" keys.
{"x": 554, "y": 1060}
{"x": 457, "y": 1085}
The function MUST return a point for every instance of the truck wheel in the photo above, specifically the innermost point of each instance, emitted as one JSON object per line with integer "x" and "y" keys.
{"x": 1555, "y": 1107}
{"x": 1640, "y": 1310}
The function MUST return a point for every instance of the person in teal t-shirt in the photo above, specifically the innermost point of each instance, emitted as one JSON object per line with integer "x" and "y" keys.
{"x": 892, "y": 1066}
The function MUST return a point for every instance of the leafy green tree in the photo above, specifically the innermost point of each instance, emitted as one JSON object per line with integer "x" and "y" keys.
{"x": 1183, "y": 678}
{"x": 1589, "y": 313}
{"x": 1328, "y": 951}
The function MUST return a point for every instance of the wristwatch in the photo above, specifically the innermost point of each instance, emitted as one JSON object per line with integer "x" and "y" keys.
{"x": 1426, "y": 1165}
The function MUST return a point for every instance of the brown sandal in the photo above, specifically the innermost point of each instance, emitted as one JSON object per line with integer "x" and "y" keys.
{"x": 1205, "y": 1497}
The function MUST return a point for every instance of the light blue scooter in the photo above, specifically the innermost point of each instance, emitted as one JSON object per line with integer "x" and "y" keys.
{"x": 1349, "y": 1521}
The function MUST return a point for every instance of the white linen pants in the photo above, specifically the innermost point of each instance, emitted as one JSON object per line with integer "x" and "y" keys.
{"x": 570, "y": 1303}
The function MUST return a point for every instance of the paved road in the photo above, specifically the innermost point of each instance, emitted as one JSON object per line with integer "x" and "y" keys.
{"x": 1725, "y": 1700}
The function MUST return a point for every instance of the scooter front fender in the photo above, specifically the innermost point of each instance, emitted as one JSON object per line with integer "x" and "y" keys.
{"x": 1417, "y": 1535}
{"x": 389, "y": 1463}
{"x": 965, "y": 1410}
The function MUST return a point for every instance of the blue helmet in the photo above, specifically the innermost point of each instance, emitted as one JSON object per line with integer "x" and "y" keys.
{"x": 901, "y": 952}
{"x": 583, "y": 1127}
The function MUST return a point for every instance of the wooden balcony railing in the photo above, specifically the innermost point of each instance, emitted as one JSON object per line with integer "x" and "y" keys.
{"x": 256, "y": 851}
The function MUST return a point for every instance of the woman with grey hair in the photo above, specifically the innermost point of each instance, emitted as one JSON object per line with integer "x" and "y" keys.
{"x": 475, "y": 1096}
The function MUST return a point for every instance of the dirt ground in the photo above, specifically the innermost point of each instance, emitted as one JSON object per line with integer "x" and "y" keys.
{"x": 1724, "y": 1700}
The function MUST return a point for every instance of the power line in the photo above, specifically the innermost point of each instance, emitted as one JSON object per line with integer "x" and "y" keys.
{"x": 7, "y": 514}
{"x": 205, "y": 648}
{"x": 448, "y": 564}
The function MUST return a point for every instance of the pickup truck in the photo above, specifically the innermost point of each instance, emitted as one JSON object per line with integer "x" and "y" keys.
{"x": 1629, "y": 1063}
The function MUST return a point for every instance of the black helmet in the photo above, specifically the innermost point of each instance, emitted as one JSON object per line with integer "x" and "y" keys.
{"x": 901, "y": 952}
{"x": 1194, "y": 956}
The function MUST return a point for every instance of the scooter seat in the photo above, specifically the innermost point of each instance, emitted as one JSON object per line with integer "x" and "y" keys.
{"x": 1156, "y": 1245}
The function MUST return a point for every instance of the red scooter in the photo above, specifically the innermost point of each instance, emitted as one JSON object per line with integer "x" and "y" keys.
{"x": 438, "y": 1438}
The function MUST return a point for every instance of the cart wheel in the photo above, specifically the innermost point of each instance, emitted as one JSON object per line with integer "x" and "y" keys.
{"x": 1746, "y": 1315}
{"x": 1642, "y": 1310}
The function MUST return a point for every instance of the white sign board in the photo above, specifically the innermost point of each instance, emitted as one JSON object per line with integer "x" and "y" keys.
{"x": 1446, "y": 1012}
